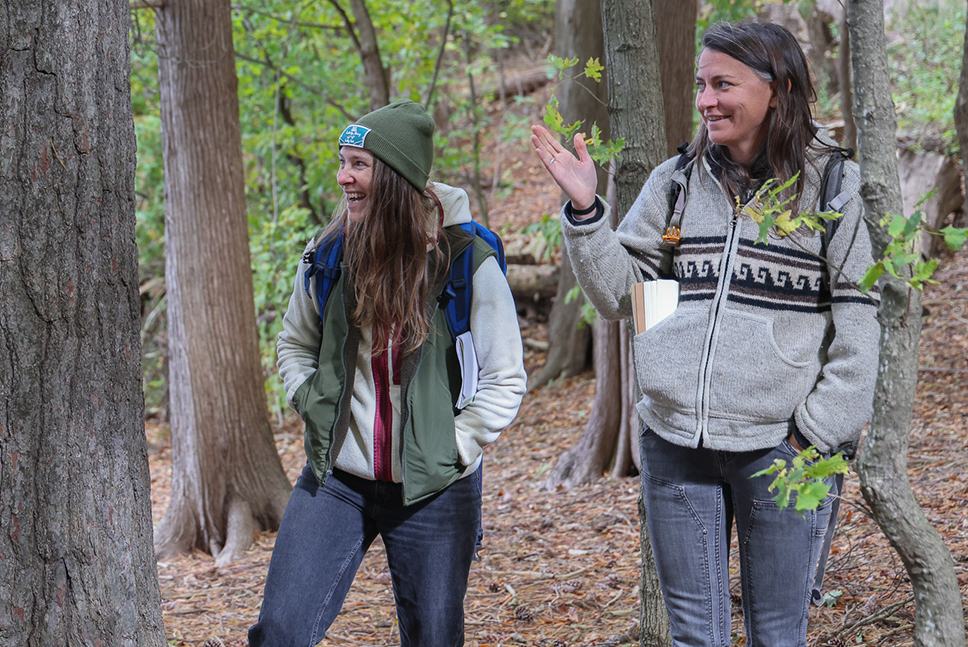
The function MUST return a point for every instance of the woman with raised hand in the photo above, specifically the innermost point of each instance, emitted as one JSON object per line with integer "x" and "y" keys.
{"x": 771, "y": 348}
{"x": 396, "y": 415}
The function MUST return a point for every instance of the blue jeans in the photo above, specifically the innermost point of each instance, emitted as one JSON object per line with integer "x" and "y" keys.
{"x": 691, "y": 497}
{"x": 321, "y": 542}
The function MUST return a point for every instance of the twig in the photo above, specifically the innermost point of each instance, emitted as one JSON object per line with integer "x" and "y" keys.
{"x": 148, "y": 4}
{"x": 311, "y": 25}
{"x": 56, "y": 154}
{"x": 440, "y": 56}
{"x": 940, "y": 369}
{"x": 349, "y": 26}
{"x": 867, "y": 620}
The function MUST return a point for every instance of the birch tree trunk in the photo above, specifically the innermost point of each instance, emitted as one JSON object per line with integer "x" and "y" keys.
{"x": 227, "y": 480}
{"x": 636, "y": 113}
{"x": 882, "y": 466}
{"x": 76, "y": 564}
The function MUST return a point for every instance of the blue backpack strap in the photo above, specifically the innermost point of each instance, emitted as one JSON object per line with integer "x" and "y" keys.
{"x": 458, "y": 292}
{"x": 324, "y": 264}
{"x": 491, "y": 238}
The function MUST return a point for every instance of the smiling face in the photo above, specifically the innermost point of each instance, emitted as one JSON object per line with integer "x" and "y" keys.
{"x": 355, "y": 176}
{"x": 734, "y": 102}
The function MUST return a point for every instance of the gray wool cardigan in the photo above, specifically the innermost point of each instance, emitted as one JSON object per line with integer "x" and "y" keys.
{"x": 765, "y": 337}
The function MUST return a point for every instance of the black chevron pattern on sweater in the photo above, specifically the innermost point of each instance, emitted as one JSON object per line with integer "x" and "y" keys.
{"x": 774, "y": 276}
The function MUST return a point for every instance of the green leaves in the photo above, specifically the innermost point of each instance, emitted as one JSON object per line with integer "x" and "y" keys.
{"x": 954, "y": 238}
{"x": 901, "y": 260}
{"x": 803, "y": 480}
{"x": 556, "y": 122}
{"x": 600, "y": 152}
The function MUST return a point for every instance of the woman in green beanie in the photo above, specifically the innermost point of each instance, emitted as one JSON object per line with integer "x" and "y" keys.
{"x": 394, "y": 434}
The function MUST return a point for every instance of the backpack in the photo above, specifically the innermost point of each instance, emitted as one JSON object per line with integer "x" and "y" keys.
{"x": 325, "y": 260}
{"x": 832, "y": 198}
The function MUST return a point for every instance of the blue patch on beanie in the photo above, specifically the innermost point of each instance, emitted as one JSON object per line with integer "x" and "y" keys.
{"x": 354, "y": 135}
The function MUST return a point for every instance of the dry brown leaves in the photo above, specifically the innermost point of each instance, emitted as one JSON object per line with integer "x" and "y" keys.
{"x": 561, "y": 569}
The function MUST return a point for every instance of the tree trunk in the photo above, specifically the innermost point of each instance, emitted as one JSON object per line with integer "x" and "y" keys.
{"x": 675, "y": 24}
{"x": 227, "y": 480}
{"x": 882, "y": 465}
{"x": 846, "y": 85}
{"x": 377, "y": 78}
{"x": 635, "y": 108}
{"x": 570, "y": 341}
{"x": 578, "y": 34}
{"x": 76, "y": 564}
{"x": 592, "y": 455}
{"x": 961, "y": 104}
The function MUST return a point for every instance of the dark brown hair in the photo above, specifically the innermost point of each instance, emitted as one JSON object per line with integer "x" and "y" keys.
{"x": 390, "y": 253}
{"x": 774, "y": 55}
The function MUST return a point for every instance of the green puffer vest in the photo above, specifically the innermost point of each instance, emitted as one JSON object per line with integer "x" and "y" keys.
{"x": 430, "y": 383}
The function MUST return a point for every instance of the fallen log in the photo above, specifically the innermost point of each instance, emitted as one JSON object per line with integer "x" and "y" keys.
{"x": 521, "y": 84}
{"x": 533, "y": 282}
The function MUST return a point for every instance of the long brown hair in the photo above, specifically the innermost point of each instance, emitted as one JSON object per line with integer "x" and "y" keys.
{"x": 774, "y": 54}
{"x": 391, "y": 253}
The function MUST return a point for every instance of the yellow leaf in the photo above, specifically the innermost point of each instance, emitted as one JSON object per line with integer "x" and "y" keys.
{"x": 785, "y": 224}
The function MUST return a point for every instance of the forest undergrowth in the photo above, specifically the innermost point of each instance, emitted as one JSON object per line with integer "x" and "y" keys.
{"x": 560, "y": 568}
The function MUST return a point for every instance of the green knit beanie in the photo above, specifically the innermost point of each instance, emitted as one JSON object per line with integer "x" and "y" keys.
{"x": 401, "y": 135}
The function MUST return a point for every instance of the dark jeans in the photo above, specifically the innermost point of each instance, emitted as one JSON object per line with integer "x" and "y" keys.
{"x": 691, "y": 497}
{"x": 322, "y": 539}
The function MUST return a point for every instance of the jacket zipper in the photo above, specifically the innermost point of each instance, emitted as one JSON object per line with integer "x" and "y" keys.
{"x": 718, "y": 306}
{"x": 405, "y": 402}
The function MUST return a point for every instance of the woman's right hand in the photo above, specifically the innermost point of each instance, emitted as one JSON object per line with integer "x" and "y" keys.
{"x": 575, "y": 175}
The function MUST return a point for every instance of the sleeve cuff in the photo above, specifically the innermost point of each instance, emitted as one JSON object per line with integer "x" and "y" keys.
{"x": 597, "y": 207}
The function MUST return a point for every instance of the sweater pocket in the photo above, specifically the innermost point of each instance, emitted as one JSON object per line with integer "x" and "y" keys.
{"x": 667, "y": 361}
{"x": 753, "y": 378}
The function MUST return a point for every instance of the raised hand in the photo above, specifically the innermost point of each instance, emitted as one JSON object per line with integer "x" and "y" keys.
{"x": 575, "y": 175}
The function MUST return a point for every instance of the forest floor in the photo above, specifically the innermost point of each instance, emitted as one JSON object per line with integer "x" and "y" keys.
{"x": 560, "y": 568}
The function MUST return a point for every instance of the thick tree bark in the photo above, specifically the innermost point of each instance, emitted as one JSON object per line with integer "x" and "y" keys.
{"x": 882, "y": 466}
{"x": 377, "y": 78}
{"x": 578, "y": 33}
{"x": 227, "y": 480}
{"x": 675, "y": 24}
{"x": 589, "y": 458}
{"x": 636, "y": 113}
{"x": 846, "y": 86}
{"x": 568, "y": 351}
{"x": 961, "y": 104}
{"x": 76, "y": 564}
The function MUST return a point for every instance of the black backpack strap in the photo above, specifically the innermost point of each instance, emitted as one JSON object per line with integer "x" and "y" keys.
{"x": 832, "y": 197}
{"x": 677, "y": 196}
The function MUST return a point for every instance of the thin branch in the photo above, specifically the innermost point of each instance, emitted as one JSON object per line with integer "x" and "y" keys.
{"x": 349, "y": 26}
{"x": 147, "y": 4}
{"x": 319, "y": 93}
{"x": 311, "y": 25}
{"x": 440, "y": 56}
